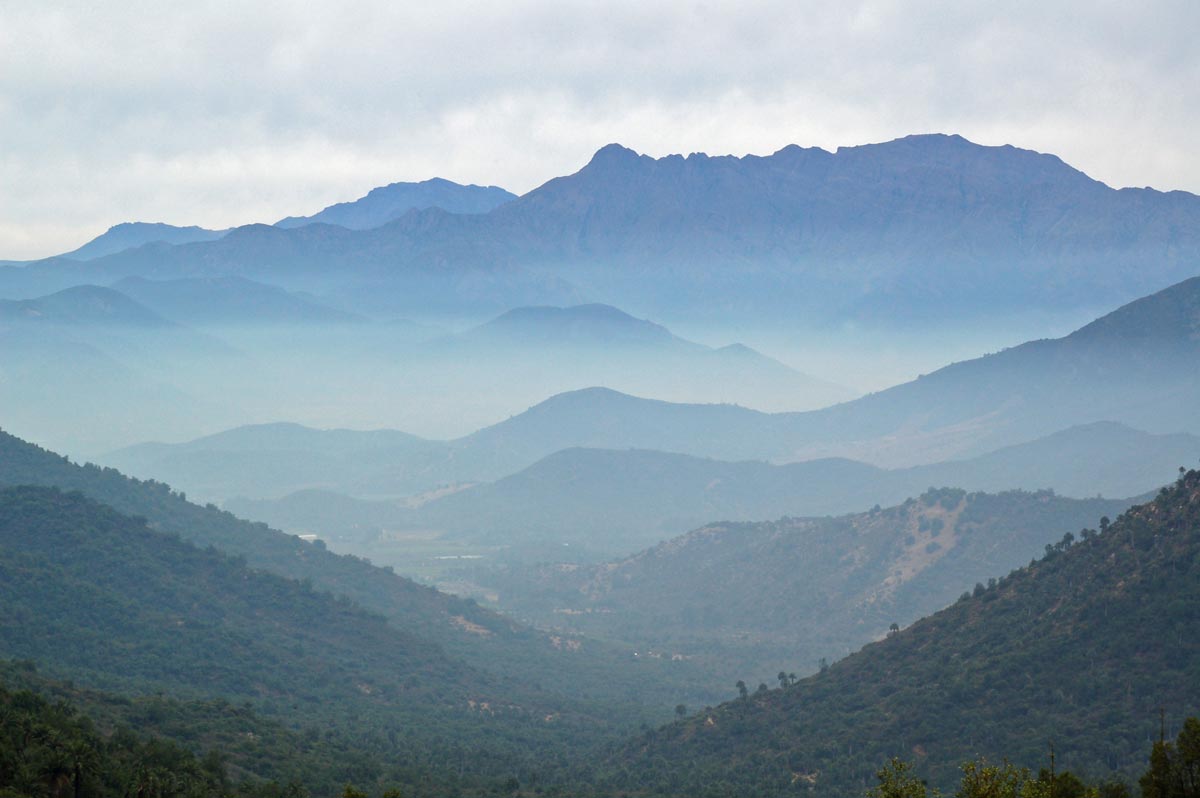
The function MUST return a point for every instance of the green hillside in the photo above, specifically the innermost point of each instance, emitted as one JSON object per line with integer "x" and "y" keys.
{"x": 98, "y": 597}
{"x": 228, "y": 746}
{"x": 49, "y": 749}
{"x": 1082, "y": 648}
{"x": 211, "y": 747}
{"x": 624, "y": 688}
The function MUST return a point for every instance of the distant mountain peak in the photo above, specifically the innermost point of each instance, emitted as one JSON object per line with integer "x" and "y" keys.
{"x": 585, "y": 397}
{"x": 921, "y": 141}
{"x": 83, "y": 304}
{"x": 254, "y": 229}
{"x": 385, "y": 204}
{"x": 130, "y": 235}
{"x": 615, "y": 154}
{"x": 594, "y": 310}
{"x": 589, "y": 324}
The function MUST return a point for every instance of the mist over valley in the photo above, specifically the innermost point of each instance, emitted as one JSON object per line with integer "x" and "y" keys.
{"x": 399, "y": 424}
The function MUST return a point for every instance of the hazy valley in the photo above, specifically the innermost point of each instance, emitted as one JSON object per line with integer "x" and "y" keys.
{"x": 454, "y": 491}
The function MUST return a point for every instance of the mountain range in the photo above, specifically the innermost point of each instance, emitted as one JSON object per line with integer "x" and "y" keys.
{"x": 916, "y": 231}
{"x": 89, "y": 352}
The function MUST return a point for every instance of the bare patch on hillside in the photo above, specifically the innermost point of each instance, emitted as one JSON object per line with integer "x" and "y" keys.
{"x": 931, "y": 533}
{"x": 470, "y": 626}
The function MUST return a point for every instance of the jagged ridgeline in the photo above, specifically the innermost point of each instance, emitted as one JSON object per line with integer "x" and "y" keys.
{"x": 1081, "y": 648}
{"x": 928, "y": 225}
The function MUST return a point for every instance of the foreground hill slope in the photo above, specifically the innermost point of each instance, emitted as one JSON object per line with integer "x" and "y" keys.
{"x": 118, "y": 586}
{"x": 99, "y": 597}
{"x": 1081, "y": 647}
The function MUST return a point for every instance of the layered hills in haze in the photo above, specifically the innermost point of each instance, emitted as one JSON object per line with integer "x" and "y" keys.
{"x": 90, "y": 352}
{"x": 587, "y": 325}
{"x": 608, "y": 387}
{"x": 611, "y": 501}
{"x": 606, "y": 503}
{"x": 546, "y": 348}
{"x": 229, "y": 300}
{"x": 1137, "y": 366}
{"x": 756, "y": 598}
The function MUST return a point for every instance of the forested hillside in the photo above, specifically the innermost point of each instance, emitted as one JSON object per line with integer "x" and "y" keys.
{"x": 1082, "y": 648}
{"x": 49, "y": 749}
{"x": 57, "y": 736}
{"x": 121, "y": 607}
{"x": 482, "y": 638}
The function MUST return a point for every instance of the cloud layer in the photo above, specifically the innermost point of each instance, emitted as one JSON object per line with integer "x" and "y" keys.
{"x": 221, "y": 113}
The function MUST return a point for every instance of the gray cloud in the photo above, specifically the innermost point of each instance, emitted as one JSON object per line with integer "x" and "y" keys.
{"x": 219, "y": 113}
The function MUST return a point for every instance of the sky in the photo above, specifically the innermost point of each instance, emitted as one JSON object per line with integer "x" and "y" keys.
{"x": 226, "y": 113}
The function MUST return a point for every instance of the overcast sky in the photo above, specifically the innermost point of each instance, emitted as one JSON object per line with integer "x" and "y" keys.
{"x": 223, "y": 113}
